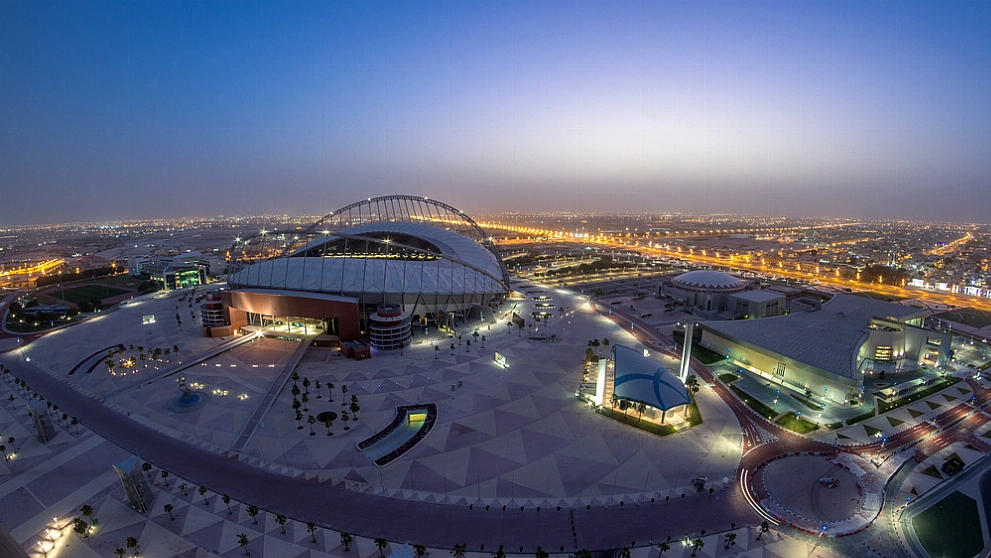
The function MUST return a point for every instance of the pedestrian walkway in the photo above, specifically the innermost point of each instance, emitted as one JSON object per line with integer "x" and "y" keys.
{"x": 269, "y": 398}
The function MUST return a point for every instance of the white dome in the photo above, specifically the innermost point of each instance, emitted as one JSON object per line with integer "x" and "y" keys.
{"x": 709, "y": 280}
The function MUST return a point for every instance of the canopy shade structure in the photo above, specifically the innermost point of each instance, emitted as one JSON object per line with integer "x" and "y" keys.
{"x": 639, "y": 378}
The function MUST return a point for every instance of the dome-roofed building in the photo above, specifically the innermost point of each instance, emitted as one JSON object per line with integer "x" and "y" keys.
{"x": 706, "y": 291}
{"x": 422, "y": 259}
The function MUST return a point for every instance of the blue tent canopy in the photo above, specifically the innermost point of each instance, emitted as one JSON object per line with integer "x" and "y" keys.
{"x": 639, "y": 378}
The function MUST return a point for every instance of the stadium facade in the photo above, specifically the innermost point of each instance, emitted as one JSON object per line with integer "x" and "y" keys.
{"x": 376, "y": 271}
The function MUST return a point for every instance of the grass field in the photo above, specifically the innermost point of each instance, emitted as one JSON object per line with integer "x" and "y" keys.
{"x": 793, "y": 422}
{"x": 967, "y": 317}
{"x": 86, "y": 293}
{"x": 754, "y": 404}
{"x": 728, "y": 378}
{"x": 950, "y": 528}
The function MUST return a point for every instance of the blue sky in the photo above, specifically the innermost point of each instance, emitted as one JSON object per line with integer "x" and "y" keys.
{"x": 113, "y": 110}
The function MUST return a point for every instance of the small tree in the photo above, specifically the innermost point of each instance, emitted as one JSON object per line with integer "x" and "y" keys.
{"x": 346, "y": 540}
{"x": 663, "y": 547}
{"x": 165, "y": 477}
{"x": 119, "y": 551}
{"x": 730, "y": 540}
{"x": 87, "y": 511}
{"x": 184, "y": 488}
{"x": 312, "y": 529}
{"x": 80, "y": 527}
{"x": 330, "y": 391}
{"x": 380, "y": 544}
{"x": 318, "y": 389}
{"x": 227, "y": 502}
{"x": 146, "y": 467}
{"x": 281, "y": 520}
{"x": 132, "y": 543}
{"x": 168, "y": 509}
{"x": 345, "y": 418}
{"x": 242, "y": 540}
{"x": 202, "y": 491}
{"x": 541, "y": 553}
{"x": 253, "y": 512}
{"x": 764, "y": 527}
{"x": 459, "y": 550}
{"x": 420, "y": 550}
{"x": 697, "y": 545}
{"x": 311, "y": 421}
{"x": 623, "y": 552}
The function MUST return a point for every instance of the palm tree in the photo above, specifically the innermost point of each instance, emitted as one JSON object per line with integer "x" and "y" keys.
{"x": 299, "y": 420}
{"x": 281, "y": 520}
{"x": 202, "y": 491}
{"x": 87, "y": 510}
{"x": 697, "y": 545}
{"x": 168, "y": 509}
{"x": 541, "y": 553}
{"x": 344, "y": 393}
{"x": 436, "y": 352}
{"x": 578, "y": 554}
{"x": 663, "y": 547}
{"x": 623, "y": 552}
{"x": 380, "y": 544}
{"x": 345, "y": 418}
{"x": 312, "y": 528}
{"x": 730, "y": 540}
{"x": 146, "y": 467}
{"x": 165, "y": 477}
{"x": 311, "y": 421}
{"x": 354, "y": 409}
{"x": 119, "y": 551}
{"x": 253, "y": 512}
{"x": 318, "y": 390}
{"x": 3, "y": 450}
{"x": 242, "y": 540}
{"x": 295, "y": 377}
{"x": 80, "y": 527}
{"x": 330, "y": 392}
{"x": 452, "y": 349}
{"x": 420, "y": 550}
{"x": 459, "y": 550}
{"x": 641, "y": 409}
{"x": 346, "y": 540}
{"x": 227, "y": 501}
{"x": 764, "y": 526}
{"x": 75, "y": 425}
{"x": 183, "y": 488}
{"x": 483, "y": 341}
{"x": 132, "y": 543}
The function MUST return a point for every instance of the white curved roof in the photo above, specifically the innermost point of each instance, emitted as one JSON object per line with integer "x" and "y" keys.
{"x": 356, "y": 275}
{"x": 451, "y": 244}
{"x": 708, "y": 279}
{"x": 639, "y": 378}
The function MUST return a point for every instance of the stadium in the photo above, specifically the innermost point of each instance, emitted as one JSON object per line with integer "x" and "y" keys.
{"x": 377, "y": 270}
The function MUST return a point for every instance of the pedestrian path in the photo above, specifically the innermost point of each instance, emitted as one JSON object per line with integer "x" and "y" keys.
{"x": 269, "y": 398}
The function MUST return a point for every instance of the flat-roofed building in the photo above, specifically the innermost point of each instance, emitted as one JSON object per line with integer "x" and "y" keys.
{"x": 828, "y": 351}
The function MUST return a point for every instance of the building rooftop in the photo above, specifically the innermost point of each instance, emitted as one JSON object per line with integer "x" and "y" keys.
{"x": 638, "y": 378}
{"x": 827, "y": 339}
{"x": 759, "y": 296}
{"x": 708, "y": 279}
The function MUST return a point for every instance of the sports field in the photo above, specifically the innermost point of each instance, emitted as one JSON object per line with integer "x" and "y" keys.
{"x": 78, "y": 295}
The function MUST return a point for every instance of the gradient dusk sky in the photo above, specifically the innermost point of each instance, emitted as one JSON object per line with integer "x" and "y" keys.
{"x": 118, "y": 110}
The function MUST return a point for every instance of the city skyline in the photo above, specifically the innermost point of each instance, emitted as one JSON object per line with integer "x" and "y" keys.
{"x": 156, "y": 110}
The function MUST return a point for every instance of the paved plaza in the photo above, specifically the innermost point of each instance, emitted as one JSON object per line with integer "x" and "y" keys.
{"x": 513, "y": 436}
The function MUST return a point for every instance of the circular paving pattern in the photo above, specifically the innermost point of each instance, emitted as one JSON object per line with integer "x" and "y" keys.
{"x": 794, "y": 482}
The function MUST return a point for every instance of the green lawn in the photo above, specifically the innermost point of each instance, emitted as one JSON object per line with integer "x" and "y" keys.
{"x": 871, "y": 431}
{"x": 79, "y": 295}
{"x": 914, "y": 413}
{"x": 632, "y": 420}
{"x": 860, "y": 418}
{"x": 728, "y": 378}
{"x": 951, "y": 528}
{"x": 895, "y": 422}
{"x": 932, "y": 471}
{"x": 754, "y": 404}
{"x": 935, "y": 388}
{"x": 793, "y": 422}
